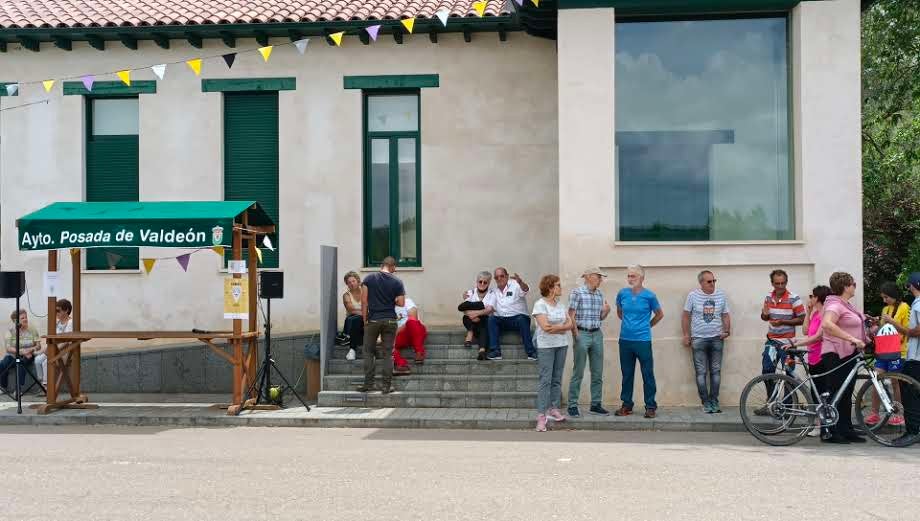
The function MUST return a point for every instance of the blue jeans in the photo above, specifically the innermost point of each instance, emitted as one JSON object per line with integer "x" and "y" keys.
{"x": 772, "y": 360}
{"x": 549, "y": 388}
{"x": 517, "y": 323}
{"x": 630, "y": 351}
{"x": 6, "y": 368}
{"x": 707, "y": 356}
{"x": 589, "y": 345}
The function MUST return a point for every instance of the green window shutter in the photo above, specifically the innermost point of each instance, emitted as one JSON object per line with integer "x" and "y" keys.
{"x": 112, "y": 166}
{"x": 251, "y": 156}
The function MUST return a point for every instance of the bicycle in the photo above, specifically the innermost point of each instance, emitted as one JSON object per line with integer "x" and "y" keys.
{"x": 794, "y": 405}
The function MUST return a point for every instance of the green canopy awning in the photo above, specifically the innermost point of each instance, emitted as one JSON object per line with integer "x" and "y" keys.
{"x": 174, "y": 224}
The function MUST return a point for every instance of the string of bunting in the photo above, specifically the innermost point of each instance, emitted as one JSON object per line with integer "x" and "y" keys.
{"x": 195, "y": 64}
{"x": 112, "y": 258}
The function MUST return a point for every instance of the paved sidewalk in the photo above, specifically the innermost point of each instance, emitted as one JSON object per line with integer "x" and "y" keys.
{"x": 196, "y": 410}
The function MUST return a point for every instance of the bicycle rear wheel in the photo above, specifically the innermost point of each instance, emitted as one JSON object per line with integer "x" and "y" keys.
{"x": 776, "y": 410}
{"x": 896, "y": 429}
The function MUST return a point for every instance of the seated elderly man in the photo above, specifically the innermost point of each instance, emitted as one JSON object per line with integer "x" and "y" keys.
{"x": 410, "y": 332}
{"x": 509, "y": 302}
{"x": 29, "y": 346}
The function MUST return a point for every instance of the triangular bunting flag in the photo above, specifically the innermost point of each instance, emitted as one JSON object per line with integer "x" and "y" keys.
{"x": 112, "y": 259}
{"x": 519, "y": 2}
{"x": 183, "y": 261}
{"x": 125, "y": 77}
{"x": 301, "y": 45}
{"x": 218, "y": 250}
{"x": 442, "y": 15}
{"x": 337, "y": 38}
{"x": 74, "y": 251}
{"x": 372, "y": 31}
{"x": 12, "y": 89}
{"x": 266, "y": 51}
{"x": 229, "y": 58}
{"x": 479, "y": 7}
{"x": 536, "y": 3}
{"x": 259, "y": 255}
{"x": 148, "y": 265}
{"x": 268, "y": 243}
{"x": 408, "y": 23}
{"x": 195, "y": 65}
{"x": 48, "y": 84}
{"x": 159, "y": 70}
{"x": 88, "y": 81}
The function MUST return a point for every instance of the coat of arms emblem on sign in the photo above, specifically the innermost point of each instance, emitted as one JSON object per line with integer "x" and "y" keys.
{"x": 217, "y": 235}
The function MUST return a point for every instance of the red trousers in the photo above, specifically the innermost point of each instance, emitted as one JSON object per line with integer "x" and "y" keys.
{"x": 411, "y": 335}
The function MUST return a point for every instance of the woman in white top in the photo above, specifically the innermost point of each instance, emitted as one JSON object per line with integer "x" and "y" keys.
{"x": 476, "y": 309}
{"x": 354, "y": 323}
{"x": 63, "y": 308}
{"x": 552, "y": 339}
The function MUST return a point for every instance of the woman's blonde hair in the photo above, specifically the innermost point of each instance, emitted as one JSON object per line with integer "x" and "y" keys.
{"x": 351, "y": 274}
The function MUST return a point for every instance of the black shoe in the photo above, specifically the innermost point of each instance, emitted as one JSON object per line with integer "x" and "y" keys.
{"x": 852, "y": 437}
{"x": 387, "y": 389}
{"x": 574, "y": 412}
{"x": 597, "y": 410}
{"x": 365, "y": 388}
{"x": 482, "y": 355}
{"x": 836, "y": 439}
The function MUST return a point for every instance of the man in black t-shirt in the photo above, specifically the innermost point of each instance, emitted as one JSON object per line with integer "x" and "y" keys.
{"x": 381, "y": 292}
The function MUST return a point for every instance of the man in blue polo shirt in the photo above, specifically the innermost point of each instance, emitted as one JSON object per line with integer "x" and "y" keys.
{"x": 639, "y": 310}
{"x": 381, "y": 293}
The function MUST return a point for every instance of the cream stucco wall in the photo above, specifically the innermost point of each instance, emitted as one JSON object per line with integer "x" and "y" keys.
{"x": 488, "y": 167}
{"x": 826, "y": 78}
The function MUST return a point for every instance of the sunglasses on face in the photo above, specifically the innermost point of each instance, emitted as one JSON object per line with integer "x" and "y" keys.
{"x": 482, "y": 282}
{"x": 713, "y": 281}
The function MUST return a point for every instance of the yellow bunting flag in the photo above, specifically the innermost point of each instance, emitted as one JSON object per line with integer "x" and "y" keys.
{"x": 125, "y": 77}
{"x": 74, "y": 251}
{"x": 479, "y": 7}
{"x": 337, "y": 38}
{"x": 195, "y": 65}
{"x": 218, "y": 250}
{"x": 148, "y": 265}
{"x": 408, "y": 23}
{"x": 259, "y": 255}
{"x": 49, "y": 84}
{"x": 266, "y": 51}
{"x": 536, "y": 3}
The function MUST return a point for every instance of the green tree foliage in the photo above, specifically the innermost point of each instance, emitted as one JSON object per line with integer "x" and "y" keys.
{"x": 891, "y": 143}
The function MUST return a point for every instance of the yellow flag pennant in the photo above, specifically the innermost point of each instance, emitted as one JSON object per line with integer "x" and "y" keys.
{"x": 148, "y": 265}
{"x": 195, "y": 65}
{"x": 337, "y": 38}
{"x": 536, "y": 3}
{"x": 218, "y": 250}
{"x": 74, "y": 251}
{"x": 408, "y": 23}
{"x": 48, "y": 84}
{"x": 479, "y": 7}
{"x": 259, "y": 255}
{"x": 266, "y": 51}
{"x": 125, "y": 77}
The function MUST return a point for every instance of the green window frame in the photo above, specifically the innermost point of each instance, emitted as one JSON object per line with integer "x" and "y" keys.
{"x": 373, "y": 253}
{"x": 112, "y": 170}
{"x": 251, "y": 158}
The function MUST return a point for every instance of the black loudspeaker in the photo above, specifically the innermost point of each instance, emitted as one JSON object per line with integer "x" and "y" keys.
{"x": 12, "y": 284}
{"x": 271, "y": 284}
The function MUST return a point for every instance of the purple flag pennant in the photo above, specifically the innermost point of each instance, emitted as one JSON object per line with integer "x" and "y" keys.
{"x": 183, "y": 261}
{"x": 88, "y": 81}
{"x": 372, "y": 31}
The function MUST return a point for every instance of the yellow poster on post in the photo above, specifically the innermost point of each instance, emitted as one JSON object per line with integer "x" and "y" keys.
{"x": 236, "y": 298}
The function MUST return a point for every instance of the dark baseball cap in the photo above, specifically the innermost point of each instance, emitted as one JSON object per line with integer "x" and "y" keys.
{"x": 914, "y": 279}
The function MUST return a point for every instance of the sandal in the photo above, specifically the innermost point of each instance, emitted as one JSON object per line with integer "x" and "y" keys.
{"x": 467, "y": 344}
{"x": 482, "y": 354}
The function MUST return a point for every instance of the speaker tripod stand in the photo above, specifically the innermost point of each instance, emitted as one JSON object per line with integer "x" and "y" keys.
{"x": 262, "y": 384}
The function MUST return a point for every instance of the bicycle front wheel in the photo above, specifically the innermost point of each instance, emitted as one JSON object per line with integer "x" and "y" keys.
{"x": 894, "y": 428}
{"x": 775, "y": 409}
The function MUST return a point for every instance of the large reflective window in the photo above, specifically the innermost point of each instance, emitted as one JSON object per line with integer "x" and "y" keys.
{"x": 702, "y": 130}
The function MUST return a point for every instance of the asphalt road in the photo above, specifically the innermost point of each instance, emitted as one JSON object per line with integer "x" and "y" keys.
{"x": 126, "y": 473}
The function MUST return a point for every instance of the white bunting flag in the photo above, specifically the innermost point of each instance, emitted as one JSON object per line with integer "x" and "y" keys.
{"x": 442, "y": 15}
{"x": 12, "y": 89}
{"x": 268, "y": 243}
{"x": 301, "y": 45}
{"x": 159, "y": 70}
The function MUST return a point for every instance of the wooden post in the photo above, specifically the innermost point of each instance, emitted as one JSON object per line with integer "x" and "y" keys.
{"x": 253, "y": 264}
{"x": 76, "y": 268}
{"x": 237, "y": 328}
{"x": 52, "y": 390}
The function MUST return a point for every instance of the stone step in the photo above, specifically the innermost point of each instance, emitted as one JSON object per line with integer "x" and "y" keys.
{"x": 456, "y": 337}
{"x": 446, "y": 352}
{"x": 446, "y": 367}
{"x": 405, "y": 399}
{"x": 442, "y": 383}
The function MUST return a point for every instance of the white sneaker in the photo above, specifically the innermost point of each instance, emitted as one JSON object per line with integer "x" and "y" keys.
{"x": 814, "y": 432}
{"x": 350, "y": 355}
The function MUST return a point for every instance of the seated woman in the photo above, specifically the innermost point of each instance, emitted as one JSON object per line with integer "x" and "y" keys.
{"x": 410, "y": 332}
{"x": 475, "y": 308}
{"x": 354, "y": 322}
{"x": 30, "y": 343}
{"x": 64, "y": 324}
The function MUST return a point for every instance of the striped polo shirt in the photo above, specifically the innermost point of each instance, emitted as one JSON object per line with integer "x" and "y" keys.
{"x": 786, "y": 307}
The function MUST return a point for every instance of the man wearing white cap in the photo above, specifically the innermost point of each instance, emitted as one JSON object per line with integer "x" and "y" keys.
{"x": 588, "y": 309}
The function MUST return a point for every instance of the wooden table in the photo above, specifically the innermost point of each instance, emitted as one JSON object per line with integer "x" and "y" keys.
{"x": 64, "y": 362}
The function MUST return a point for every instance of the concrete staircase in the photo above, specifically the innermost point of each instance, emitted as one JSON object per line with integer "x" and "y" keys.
{"x": 450, "y": 377}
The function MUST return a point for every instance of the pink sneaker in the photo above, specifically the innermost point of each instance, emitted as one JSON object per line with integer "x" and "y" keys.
{"x": 556, "y": 415}
{"x": 896, "y": 420}
{"x": 541, "y": 423}
{"x": 873, "y": 419}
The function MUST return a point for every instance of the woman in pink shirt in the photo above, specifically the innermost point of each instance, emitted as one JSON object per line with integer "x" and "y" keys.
{"x": 844, "y": 333}
{"x": 813, "y": 341}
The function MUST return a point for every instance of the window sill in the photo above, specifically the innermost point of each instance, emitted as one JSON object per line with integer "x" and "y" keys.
{"x": 371, "y": 269}
{"x": 709, "y": 243}
{"x": 110, "y": 272}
